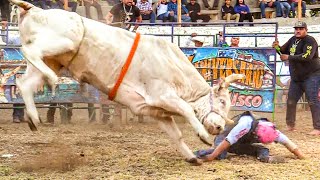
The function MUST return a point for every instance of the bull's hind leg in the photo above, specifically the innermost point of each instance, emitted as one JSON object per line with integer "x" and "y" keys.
{"x": 42, "y": 47}
{"x": 169, "y": 126}
{"x": 27, "y": 84}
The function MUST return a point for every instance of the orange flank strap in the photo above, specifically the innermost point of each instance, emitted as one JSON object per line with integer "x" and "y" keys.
{"x": 112, "y": 94}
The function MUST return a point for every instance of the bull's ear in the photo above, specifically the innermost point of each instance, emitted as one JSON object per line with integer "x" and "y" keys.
{"x": 232, "y": 78}
{"x": 229, "y": 121}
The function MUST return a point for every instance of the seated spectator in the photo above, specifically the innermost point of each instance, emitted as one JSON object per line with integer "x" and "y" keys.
{"x": 162, "y": 10}
{"x": 271, "y": 4}
{"x": 72, "y": 4}
{"x": 172, "y": 9}
{"x": 285, "y": 8}
{"x": 294, "y": 4}
{"x": 122, "y": 13}
{"x": 227, "y": 12}
{"x": 244, "y": 11}
{"x": 146, "y": 11}
{"x": 95, "y": 4}
{"x": 194, "y": 12}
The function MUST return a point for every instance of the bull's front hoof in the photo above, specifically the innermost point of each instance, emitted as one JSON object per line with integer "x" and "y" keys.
{"x": 195, "y": 161}
{"x": 32, "y": 126}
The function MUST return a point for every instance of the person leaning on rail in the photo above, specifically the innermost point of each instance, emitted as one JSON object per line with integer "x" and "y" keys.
{"x": 18, "y": 110}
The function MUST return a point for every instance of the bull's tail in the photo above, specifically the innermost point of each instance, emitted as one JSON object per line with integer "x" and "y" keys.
{"x": 22, "y": 4}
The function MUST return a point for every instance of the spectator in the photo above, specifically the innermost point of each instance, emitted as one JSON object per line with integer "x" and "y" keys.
{"x": 294, "y": 4}
{"x": 221, "y": 40}
{"x": 198, "y": 41}
{"x": 235, "y": 42}
{"x": 283, "y": 82}
{"x": 172, "y": 9}
{"x": 271, "y": 4}
{"x": 285, "y": 8}
{"x": 194, "y": 12}
{"x": 146, "y": 11}
{"x": 242, "y": 138}
{"x": 244, "y": 11}
{"x": 214, "y": 5}
{"x": 227, "y": 12}
{"x": 18, "y": 112}
{"x": 301, "y": 51}
{"x": 55, "y": 4}
{"x": 5, "y": 10}
{"x": 162, "y": 10}
{"x": 123, "y": 13}
{"x": 94, "y": 3}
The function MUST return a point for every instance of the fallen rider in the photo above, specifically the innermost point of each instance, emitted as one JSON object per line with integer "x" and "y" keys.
{"x": 242, "y": 138}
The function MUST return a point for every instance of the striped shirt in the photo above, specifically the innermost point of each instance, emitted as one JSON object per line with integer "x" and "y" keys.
{"x": 144, "y": 6}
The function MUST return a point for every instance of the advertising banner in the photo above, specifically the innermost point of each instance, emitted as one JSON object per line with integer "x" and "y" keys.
{"x": 256, "y": 91}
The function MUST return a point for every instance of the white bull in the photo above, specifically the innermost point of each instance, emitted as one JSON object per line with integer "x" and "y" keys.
{"x": 160, "y": 82}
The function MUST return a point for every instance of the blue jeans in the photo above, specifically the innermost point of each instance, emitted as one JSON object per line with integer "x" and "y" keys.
{"x": 311, "y": 87}
{"x": 275, "y": 4}
{"x": 285, "y": 8}
{"x": 184, "y": 18}
{"x": 73, "y": 6}
{"x": 151, "y": 17}
{"x": 258, "y": 151}
{"x": 163, "y": 17}
{"x": 295, "y": 4}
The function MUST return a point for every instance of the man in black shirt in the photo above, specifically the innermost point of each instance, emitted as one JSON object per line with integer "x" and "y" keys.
{"x": 227, "y": 12}
{"x": 194, "y": 12}
{"x": 122, "y": 13}
{"x": 302, "y": 52}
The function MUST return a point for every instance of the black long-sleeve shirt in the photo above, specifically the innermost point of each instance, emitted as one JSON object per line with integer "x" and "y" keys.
{"x": 225, "y": 10}
{"x": 303, "y": 59}
{"x": 195, "y": 8}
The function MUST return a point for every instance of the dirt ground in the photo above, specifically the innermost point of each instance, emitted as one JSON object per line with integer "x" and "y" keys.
{"x": 137, "y": 151}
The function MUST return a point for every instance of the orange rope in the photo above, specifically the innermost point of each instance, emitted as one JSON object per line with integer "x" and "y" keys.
{"x": 112, "y": 94}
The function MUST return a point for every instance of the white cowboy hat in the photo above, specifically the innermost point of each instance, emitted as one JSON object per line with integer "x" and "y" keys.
{"x": 198, "y": 38}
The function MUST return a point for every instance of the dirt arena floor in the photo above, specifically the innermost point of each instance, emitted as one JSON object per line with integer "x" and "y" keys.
{"x": 137, "y": 151}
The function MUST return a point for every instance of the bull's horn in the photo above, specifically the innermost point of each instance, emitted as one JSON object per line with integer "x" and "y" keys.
{"x": 232, "y": 78}
{"x": 229, "y": 121}
{"x": 22, "y": 4}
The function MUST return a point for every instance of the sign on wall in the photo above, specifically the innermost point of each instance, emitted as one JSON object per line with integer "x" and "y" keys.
{"x": 12, "y": 65}
{"x": 255, "y": 92}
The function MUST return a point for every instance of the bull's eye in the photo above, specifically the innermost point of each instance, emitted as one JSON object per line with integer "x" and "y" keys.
{"x": 223, "y": 102}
